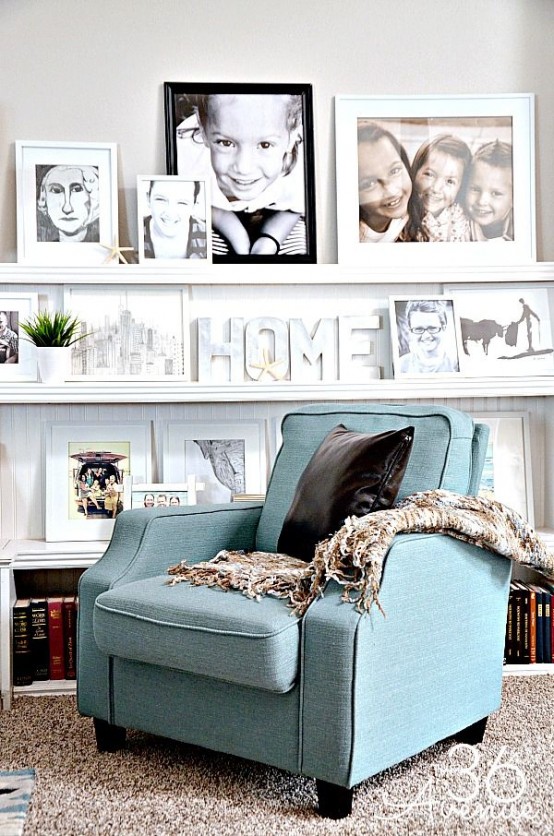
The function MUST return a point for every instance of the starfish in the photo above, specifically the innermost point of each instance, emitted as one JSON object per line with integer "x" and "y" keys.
{"x": 268, "y": 367}
{"x": 116, "y": 252}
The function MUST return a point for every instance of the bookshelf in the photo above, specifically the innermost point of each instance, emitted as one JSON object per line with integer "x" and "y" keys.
{"x": 224, "y": 291}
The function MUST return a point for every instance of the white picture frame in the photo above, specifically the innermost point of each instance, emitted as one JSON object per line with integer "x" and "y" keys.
{"x": 47, "y": 232}
{"x": 121, "y": 449}
{"x": 507, "y": 474}
{"x": 476, "y": 120}
{"x": 239, "y": 457}
{"x": 136, "y": 333}
{"x": 160, "y": 494}
{"x": 16, "y": 308}
{"x": 505, "y": 331}
{"x": 433, "y": 352}
{"x": 177, "y": 202}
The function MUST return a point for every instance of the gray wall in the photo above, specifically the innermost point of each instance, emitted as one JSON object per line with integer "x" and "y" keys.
{"x": 77, "y": 70}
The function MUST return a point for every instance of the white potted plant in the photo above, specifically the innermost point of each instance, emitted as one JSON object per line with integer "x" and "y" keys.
{"x": 53, "y": 334}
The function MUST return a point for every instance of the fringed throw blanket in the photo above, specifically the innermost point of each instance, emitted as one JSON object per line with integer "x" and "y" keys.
{"x": 354, "y": 555}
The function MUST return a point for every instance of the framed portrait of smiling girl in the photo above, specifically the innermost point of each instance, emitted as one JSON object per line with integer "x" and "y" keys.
{"x": 66, "y": 202}
{"x": 425, "y": 336}
{"x": 451, "y": 178}
{"x": 253, "y": 145}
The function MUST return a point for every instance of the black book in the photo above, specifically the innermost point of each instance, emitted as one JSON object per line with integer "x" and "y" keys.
{"x": 39, "y": 637}
{"x": 22, "y": 652}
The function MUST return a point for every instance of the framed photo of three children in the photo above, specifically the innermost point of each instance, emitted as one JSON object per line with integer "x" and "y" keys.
{"x": 252, "y": 144}
{"x": 450, "y": 177}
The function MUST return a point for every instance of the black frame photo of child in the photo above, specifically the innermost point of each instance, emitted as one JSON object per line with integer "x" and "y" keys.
{"x": 455, "y": 174}
{"x": 253, "y": 144}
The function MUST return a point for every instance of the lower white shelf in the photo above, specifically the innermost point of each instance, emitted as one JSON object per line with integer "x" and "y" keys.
{"x": 46, "y": 688}
{"x": 538, "y": 669}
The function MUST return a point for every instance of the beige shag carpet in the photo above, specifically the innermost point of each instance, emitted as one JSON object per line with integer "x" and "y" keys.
{"x": 159, "y": 788}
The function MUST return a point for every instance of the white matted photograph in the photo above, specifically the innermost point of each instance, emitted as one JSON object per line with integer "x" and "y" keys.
{"x": 67, "y": 212}
{"x": 226, "y": 458}
{"x": 17, "y": 354}
{"x": 452, "y": 178}
{"x": 174, "y": 219}
{"x": 133, "y": 333}
{"x": 507, "y": 473}
{"x": 160, "y": 494}
{"x": 86, "y": 468}
{"x": 505, "y": 331}
{"x": 424, "y": 336}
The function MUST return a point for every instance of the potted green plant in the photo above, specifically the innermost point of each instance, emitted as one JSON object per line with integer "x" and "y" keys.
{"x": 53, "y": 334}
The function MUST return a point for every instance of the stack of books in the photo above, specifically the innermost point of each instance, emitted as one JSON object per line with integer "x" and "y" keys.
{"x": 44, "y": 639}
{"x": 530, "y": 627}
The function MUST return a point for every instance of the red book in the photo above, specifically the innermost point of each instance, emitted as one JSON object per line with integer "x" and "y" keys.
{"x": 55, "y": 638}
{"x": 69, "y": 610}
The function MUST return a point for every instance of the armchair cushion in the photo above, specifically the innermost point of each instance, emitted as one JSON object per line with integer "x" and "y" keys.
{"x": 201, "y": 631}
{"x": 350, "y": 474}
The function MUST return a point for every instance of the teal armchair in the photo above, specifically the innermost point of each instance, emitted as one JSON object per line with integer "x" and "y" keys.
{"x": 334, "y": 695}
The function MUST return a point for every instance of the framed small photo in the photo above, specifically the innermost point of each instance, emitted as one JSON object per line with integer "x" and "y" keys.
{"x": 505, "y": 332}
{"x": 227, "y": 458}
{"x": 66, "y": 202}
{"x": 253, "y": 143}
{"x": 451, "y": 178}
{"x": 133, "y": 333}
{"x": 507, "y": 473}
{"x": 17, "y": 355}
{"x": 425, "y": 336}
{"x": 86, "y": 467}
{"x": 159, "y": 495}
{"x": 174, "y": 219}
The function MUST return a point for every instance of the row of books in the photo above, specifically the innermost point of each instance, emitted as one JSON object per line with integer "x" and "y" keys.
{"x": 44, "y": 639}
{"x": 530, "y": 626}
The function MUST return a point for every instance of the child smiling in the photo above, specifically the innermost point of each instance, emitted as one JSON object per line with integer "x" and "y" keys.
{"x": 489, "y": 193}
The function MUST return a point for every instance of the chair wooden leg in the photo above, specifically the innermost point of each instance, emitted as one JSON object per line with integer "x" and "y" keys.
{"x": 472, "y": 734}
{"x": 334, "y": 802}
{"x": 109, "y": 738}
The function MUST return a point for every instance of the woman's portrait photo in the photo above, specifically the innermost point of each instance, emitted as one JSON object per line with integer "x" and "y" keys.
{"x": 173, "y": 220}
{"x": 68, "y": 203}
{"x": 253, "y": 144}
{"x": 424, "y": 336}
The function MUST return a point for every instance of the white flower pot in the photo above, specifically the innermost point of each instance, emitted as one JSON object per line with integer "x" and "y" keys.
{"x": 54, "y": 364}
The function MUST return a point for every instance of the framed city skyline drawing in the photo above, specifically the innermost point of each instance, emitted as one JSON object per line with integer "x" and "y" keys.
{"x": 86, "y": 467}
{"x": 451, "y": 178}
{"x": 17, "y": 355}
{"x": 174, "y": 220}
{"x": 225, "y": 458}
{"x": 133, "y": 333}
{"x": 67, "y": 211}
{"x": 254, "y": 144}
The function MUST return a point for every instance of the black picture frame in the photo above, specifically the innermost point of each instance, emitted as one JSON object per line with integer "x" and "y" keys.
{"x": 183, "y": 101}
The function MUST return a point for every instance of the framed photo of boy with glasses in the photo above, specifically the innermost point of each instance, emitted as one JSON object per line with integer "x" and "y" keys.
{"x": 425, "y": 335}
{"x": 253, "y": 145}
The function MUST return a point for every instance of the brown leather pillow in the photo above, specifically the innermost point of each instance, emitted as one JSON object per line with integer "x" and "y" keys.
{"x": 350, "y": 474}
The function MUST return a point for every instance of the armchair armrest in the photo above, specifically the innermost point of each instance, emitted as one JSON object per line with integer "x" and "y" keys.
{"x": 145, "y": 542}
{"x": 434, "y": 660}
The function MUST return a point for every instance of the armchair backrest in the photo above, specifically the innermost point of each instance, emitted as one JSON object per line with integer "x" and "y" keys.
{"x": 448, "y": 451}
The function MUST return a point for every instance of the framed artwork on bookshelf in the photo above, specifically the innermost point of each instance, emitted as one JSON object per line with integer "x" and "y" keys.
{"x": 254, "y": 144}
{"x": 425, "y": 336}
{"x": 17, "y": 355}
{"x": 505, "y": 331}
{"x": 66, "y": 202}
{"x": 226, "y": 458}
{"x": 391, "y": 152}
{"x": 507, "y": 473}
{"x": 85, "y": 466}
{"x": 133, "y": 333}
{"x": 174, "y": 220}
{"x": 160, "y": 494}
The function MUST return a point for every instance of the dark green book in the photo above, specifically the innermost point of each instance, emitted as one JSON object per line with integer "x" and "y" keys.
{"x": 21, "y": 645}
